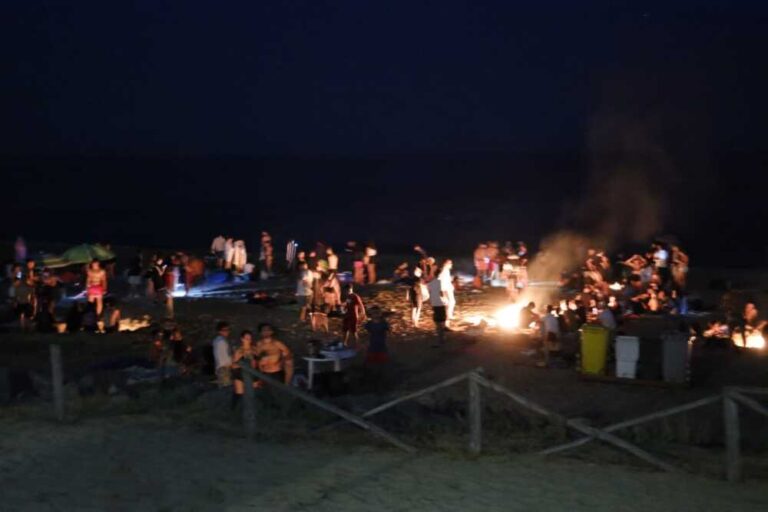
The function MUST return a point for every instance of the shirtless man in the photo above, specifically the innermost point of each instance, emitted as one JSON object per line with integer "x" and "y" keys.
{"x": 274, "y": 358}
{"x": 96, "y": 285}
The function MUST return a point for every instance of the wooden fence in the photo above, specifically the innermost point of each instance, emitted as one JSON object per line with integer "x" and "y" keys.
{"x": 731, "y": 398}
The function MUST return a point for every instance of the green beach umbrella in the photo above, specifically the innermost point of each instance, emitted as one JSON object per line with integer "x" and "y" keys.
{"x": 85, "y": 253}
{"x": 52, "y": 261}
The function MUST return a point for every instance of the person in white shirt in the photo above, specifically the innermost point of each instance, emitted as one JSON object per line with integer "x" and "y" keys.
{"x": 222, "y": 355}
{"x": 304, "y": 290}
{"x": 217, "y": 249}
{"x": 446, "y": 285}
{"x": 550, "y": 332}
{"x": 438, "y": 301}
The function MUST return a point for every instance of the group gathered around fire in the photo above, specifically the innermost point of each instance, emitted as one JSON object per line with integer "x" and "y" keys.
{"x": 325, "y": 286}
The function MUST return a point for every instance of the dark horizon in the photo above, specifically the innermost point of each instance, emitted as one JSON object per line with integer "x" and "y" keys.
{"x": 444, "y": 123}
{"x": 178, "y": 202}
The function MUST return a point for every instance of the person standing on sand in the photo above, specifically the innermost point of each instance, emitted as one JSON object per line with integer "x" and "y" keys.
{"x": 447, "y": 288}
{"x": 550, "y": 335}
{"x": 377, "y": 328}
{"x": 333, "y": 260}
{"x": 274, "y": 358}
{"x": 369, "y": 259}
{"x": 291, "y": 249}
{"x": 377, "y": 355}
{"x": 354, "y": 315}
{"x": 680, "y": 262}
{"x": 157, "y": 278}
{"x": 358, "y": 265}
{"x": 222, "y": 355}
{"x": 331, "y": 293}
{"x": 304, "y": 290}
{"x": 96, "y": 285}
{"x": 415, "y": 296}
{"x": 217, "y": 249}
{"x": 438, "y": 301}
{"x": 266, "y": 255}
{"x": 24, "y": 302}
{"x": 20, "y": 250}
{"x": 246, "y": 351}
{"x": 135, "y": 271}
{"x": 481, "y": 264}
{"x": 229, "y": 252}
{"x": 239, "y": 256}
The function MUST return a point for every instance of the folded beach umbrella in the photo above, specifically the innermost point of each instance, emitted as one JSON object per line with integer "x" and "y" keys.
{"x": 85, "y": 253}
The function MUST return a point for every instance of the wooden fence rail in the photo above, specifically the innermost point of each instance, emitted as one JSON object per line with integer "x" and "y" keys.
{"x": 327, "y": 407}
{"x": 731, "y": 398}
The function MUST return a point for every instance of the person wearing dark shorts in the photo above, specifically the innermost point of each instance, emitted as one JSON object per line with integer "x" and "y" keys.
{"x": 438, "y": 300}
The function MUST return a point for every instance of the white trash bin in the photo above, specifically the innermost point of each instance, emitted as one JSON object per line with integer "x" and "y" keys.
{"x": 627, "y": 355}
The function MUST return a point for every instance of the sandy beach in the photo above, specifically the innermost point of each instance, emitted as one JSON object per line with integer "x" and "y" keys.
{"x": 180, "y": 447}
{"x": 143, "y": 464}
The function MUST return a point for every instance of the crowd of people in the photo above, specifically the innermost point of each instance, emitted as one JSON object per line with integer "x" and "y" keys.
{"x": 651, "y": 283}
{"x": 598, "y": 291}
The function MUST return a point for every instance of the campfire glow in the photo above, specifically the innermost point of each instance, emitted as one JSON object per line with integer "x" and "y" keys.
{"x": 134, "y": 324}
{"x": 506, "y": 318}
{"x": 754, "y": 340}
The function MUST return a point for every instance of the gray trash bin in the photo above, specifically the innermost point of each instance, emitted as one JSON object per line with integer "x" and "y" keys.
{"x": 675, "y": 356}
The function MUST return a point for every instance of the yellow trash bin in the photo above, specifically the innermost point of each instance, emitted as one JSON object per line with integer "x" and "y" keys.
{"x": 594, "y": 349}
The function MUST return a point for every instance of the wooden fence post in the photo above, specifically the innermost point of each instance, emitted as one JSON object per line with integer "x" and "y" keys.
{"x": 57, "y": 381}
{"x": 732, "y": 441}
{"x": 249, "y": 404}
{"x": 475, "y": 416}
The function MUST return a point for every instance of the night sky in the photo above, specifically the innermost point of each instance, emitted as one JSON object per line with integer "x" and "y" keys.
{"x": 154, "y": 122}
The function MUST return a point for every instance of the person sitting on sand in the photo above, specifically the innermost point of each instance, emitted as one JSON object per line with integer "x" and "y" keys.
{"x": 354, "y": 315}
{"x": 96, "y": 285}
{"x": 181, "y": 351}
{"x": 222, "y": 355}
{"x": 112, "y": 315}
{"x": 274, "y": 358}
{"x": 161, "y": 355}
{"x": 158, "y": 352}
{"x": 246, "y": 351}
{"x": 528, "y": 316}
